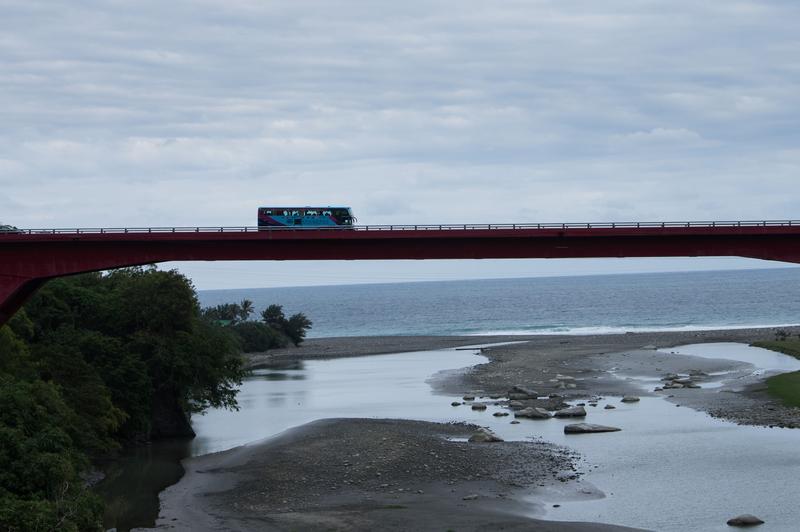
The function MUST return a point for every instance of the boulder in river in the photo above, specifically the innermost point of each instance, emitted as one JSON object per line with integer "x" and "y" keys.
{"x": 588, "y": 428}
{"x": 609, "y": 407}
{"x": 455, "y": 403}
{"x": 745, "y": 520}
{"x": 500, "y": 414}
{"x": 573, "y": 411}
{"x": 516, "y": 405}
{"x": 630, "y": 399}
{"x": 521, "y": 390}
{"x": 479, "y": 406}
{"x": 533, "y": 413}
{"x": 469, "y": 397}
{"x": 484, "y": 436}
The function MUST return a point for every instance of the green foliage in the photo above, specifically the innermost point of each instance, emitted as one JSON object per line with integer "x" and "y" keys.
{"x": 785, "y": 345}
{"x": 124, "y": 344}
{"x": 273, "y": 332}
{"x": 125, "y": 375}
{"x": 150, "y": 300}
{"x": 95, "y": 360}
{"x": 273, "y": 316}
{"x": 40, "y": 457}
{"x": 255, "y": 337}
{"x": 786, "y": 387}
{"x": 246, "y": 309}
{"x": 96, "y": 418}
{"x": 232, "y": 313}
{"x": 296, "y": 327}
{"x": 293, "y": 328}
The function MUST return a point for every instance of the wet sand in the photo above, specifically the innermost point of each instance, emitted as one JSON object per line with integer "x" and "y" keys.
{"x": 360, "y": 474}
{"x": 297, "y": 480}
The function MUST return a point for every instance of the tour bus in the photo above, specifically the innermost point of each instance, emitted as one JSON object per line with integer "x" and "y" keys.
{"x": 300, "y": 217}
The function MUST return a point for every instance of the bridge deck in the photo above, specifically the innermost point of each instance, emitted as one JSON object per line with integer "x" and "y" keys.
{"x": 29, "y": 257}
{"x": 408, "y": 227}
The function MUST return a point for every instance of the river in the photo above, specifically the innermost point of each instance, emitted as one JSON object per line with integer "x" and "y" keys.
{"x": 668, "y": 469}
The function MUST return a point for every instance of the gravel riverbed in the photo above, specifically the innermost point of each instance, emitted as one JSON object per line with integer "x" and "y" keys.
{"x": 356, "y": 474}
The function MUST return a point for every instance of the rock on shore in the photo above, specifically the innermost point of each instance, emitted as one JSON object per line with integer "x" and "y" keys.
{"x": 588, "y": 428}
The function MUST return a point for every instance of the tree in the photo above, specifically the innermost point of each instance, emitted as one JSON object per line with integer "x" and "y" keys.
{"x": 139, "y": 333}
{"x": 40, "y": 458}
{"x": 256, "y": 337}
{"x": 245, "y": 309}
{"x": 227, "y": 312}
{"x": 274, "y": 317}
{"x": 296, "y": 327}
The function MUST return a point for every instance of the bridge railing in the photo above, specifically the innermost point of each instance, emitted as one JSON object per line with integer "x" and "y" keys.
{"x": 420, "y": 227}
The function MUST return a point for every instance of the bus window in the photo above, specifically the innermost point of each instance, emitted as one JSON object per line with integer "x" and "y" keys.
{"x": 295, "y": 213}
{"x": 326, "y": 213}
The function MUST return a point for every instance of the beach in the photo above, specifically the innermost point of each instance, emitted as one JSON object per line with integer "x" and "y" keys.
{"x": 346, "y": 474}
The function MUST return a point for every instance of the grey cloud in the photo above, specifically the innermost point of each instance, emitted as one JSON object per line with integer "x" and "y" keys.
{"x": 191, "y": 112}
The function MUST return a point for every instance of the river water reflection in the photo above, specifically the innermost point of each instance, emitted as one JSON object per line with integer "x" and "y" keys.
{"x": 382, "y": 386}
{"x": 670, "y": 468}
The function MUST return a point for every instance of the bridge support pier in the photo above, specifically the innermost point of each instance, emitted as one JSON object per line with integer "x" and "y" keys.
{"x": 14, "y": 291}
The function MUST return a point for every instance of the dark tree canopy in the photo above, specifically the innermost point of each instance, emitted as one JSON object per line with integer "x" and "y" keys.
{"x": 97, "y": 361}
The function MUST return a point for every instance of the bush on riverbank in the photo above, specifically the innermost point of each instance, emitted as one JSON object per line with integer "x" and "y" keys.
{"x": 786, "y": 386}
{"x": 274, "y": 330}
{"x": 40, "y": 453}
{"x": 787, "y": 346}
{"x": 93, "y": 362}
{"x": 131, "y": 353}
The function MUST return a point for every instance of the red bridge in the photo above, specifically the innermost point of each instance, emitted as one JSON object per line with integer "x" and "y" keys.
{"x": 28, "y": 258}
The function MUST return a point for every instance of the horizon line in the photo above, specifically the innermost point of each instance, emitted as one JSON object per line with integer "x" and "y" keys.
{"x": 547, "y": 276}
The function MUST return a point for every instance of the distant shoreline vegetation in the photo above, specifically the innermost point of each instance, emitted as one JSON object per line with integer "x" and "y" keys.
{"x": 273, "y": 331}
{"x": 98, "y": 361}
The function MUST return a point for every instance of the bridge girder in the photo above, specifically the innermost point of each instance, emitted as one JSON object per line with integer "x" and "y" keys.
{"x": 28, "y": 260}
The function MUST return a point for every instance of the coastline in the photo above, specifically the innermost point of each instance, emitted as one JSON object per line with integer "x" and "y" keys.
{"x": 215, "y": 487}
{"x": 350, "y": 346}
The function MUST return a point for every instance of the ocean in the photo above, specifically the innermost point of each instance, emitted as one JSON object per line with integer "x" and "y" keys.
{"x": 599, "y": 304}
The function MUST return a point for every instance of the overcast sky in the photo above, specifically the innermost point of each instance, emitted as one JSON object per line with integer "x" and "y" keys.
{"x": 153, "y": 113}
